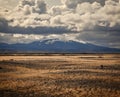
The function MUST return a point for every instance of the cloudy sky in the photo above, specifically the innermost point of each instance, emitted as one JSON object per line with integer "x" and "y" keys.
{"x": 88, "y": 21}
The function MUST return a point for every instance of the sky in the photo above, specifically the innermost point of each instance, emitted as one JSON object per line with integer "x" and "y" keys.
{"x": 10, "y": 4}
{"x": 87, "y": 21}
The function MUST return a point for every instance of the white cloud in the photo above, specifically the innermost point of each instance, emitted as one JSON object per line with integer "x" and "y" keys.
{"x": 27, "y": 38}
{"x": 32, "y": 6}
{"x": 71, "y": 18}
{"x": 8, "y": 4}
{"x": 87, "y": 15}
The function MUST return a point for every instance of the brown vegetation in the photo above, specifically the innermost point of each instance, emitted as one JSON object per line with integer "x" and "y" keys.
{"x": 60, "y": 76}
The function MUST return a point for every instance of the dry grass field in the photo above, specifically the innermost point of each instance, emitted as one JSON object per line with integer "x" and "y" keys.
{"x": 89, "y": 75}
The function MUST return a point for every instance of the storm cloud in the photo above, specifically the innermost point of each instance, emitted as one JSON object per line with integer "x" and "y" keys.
{"x": 92, "y": 20}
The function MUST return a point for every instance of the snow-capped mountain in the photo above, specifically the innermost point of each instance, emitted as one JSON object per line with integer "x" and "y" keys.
{"x": 56, "y": 46}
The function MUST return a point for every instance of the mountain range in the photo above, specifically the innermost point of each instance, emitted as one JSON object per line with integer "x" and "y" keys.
{"x": 55, "y": 46}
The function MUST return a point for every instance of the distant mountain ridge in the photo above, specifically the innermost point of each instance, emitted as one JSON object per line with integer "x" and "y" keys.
{"x": 56, "y": 46}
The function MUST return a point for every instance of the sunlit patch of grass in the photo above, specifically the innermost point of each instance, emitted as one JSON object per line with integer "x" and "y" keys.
{"x": 60, "y": 76}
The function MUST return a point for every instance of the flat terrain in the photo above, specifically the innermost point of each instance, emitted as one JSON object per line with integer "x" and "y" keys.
{"x": 89, "y": 75}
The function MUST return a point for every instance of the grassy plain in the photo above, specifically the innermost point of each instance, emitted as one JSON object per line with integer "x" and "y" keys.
{"x": 81, "y": 75}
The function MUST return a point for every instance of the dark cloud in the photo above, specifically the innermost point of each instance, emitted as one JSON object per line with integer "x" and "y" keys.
{"x": 96, "y": 21}
{"x": 32, "y": 15}
{"x": 74, "y": 3}
{"x": 34, "y": 30}
{"x": 104, "y": 38}
{"x": 3, "y": 24}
